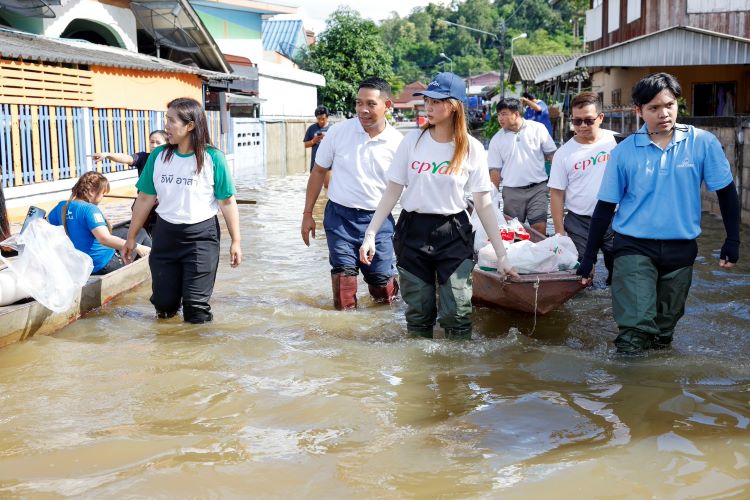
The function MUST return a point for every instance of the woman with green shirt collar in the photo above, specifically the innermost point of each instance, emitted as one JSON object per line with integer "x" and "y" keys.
{"x": 192, "y": 181}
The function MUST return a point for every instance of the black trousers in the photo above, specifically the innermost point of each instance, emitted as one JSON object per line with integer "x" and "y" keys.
{"x": 433, "y": 245}
{"x": 183, "y": 263}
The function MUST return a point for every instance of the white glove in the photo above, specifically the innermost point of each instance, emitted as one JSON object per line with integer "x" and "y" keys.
{"x": 367, "y": 250}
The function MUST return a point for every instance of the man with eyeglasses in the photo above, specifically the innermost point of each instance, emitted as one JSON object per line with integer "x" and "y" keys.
{"x": 516, "y": 156}
{"x": 576, "y": 175}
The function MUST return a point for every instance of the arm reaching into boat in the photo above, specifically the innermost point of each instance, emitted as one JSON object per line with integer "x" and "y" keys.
{"x": 488, "y": 218}
{"x": 556, "y": 204}
{"x": 600, "y": 221}
{"x": 228, "y": 207}
{"x": 141, "y": 209}
{"x": 108, "y": 239}
{"x": 390, "y": 196}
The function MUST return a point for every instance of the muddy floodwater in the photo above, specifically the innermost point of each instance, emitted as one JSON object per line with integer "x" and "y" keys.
{"x": 281, "y": 396}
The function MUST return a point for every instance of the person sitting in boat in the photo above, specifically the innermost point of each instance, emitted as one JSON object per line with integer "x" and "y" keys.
{"x": 87, "y": 228}
{"x": 434, "y": 241}
{"x": 137, "y": 160}
{"x": 577, "y": 172}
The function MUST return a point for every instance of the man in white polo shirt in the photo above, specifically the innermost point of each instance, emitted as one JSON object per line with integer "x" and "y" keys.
{"x": 516, "y": 157}
{"x": 359, "y": 151}
{"x": 577, "y": 172}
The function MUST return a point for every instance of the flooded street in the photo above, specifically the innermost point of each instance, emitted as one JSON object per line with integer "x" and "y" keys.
{"x": 281, "y": 396}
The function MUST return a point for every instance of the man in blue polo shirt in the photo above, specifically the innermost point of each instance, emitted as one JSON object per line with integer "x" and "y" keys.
{"x": 655, "y": 177}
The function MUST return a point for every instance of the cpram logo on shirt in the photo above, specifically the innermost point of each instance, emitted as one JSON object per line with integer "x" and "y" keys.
{"x": 598, "y": 159}
{"x": 441, "y": 168}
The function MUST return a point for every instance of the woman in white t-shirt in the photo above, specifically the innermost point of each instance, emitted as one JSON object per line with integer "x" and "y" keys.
{"x": 434, "y": 240}
{"x": 192, "y": 181}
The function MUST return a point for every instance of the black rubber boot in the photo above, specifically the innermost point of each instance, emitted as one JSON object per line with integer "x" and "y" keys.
{"x": 420, "y": 331}
{"x": 197, "y": 312}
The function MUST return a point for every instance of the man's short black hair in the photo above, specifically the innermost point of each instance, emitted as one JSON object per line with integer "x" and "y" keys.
{"x": 645, "y": 90}
{"x": 378, "y": 84}
{"x": 511, "y": 104}
{"x": 321, "y": 110}
{"x": 528, "y": 95}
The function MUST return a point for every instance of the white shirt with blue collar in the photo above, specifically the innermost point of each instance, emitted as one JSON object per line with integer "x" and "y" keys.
{"x": 659, "y": 190}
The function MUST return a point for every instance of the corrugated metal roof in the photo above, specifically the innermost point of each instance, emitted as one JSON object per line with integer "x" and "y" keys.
{"x": 566, "y": 68}
{"x": 17, "y": 44}
{"x": 526, "y": 68}
{"x": 281, "y": 34}
{"x": 675, "y": 46}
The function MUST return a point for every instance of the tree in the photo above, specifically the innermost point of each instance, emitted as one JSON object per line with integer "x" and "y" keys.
{"x": 348, "y": 51}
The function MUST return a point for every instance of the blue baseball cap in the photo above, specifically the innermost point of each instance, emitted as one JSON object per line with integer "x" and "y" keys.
{"x": 445, "y": 85}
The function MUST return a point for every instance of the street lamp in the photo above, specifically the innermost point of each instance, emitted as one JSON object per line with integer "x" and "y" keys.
{"x": 522, "y": 35}
{"x": 499, "y": 39}
{"x": 442, "y": 54}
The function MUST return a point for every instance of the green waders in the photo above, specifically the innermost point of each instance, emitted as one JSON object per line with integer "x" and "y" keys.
{"x": 453, "y": 307}
{"x": 645, "y": 305}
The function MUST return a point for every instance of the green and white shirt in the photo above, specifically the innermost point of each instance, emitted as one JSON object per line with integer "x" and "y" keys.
{"x": 186, "y": 197}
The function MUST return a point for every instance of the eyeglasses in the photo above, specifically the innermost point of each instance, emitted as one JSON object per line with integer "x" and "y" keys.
{"x": 580, "y": 121}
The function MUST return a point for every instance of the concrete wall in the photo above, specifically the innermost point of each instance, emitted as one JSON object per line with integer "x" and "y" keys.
{"x": 734, "y": 135}
{"x": 285, "y": 152}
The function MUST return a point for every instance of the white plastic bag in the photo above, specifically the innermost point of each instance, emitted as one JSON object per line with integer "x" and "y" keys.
{"x": 556, "y": 253}
{"x": 48, "y": 267}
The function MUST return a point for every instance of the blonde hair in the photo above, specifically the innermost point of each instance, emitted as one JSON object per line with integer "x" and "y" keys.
{"x": 89, "y": 185}
{"x": 460, "y": 135}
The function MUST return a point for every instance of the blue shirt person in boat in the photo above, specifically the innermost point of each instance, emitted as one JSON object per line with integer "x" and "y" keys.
{"x": 655, "y": 176}
{"x": 87, "y": 228}
{"x": 432, "y": 170}
{"x": 137, "y": 160}
{"x": 192, "y": 180}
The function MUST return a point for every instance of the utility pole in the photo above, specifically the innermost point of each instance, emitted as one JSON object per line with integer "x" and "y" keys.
{"x": 502, "y": 58}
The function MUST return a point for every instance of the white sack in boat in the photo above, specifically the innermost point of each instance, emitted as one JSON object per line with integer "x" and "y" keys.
{"x": 556, "y": 253}
{"x": 48, "y": 266}
{"x": 10, "y": 291}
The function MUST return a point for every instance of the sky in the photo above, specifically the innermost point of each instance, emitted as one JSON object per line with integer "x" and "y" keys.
{"x": 315, "y": 12}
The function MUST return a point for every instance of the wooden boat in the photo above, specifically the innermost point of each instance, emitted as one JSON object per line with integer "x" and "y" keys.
{"x": 21, "y": 321}
{"x": 538, "y": 293}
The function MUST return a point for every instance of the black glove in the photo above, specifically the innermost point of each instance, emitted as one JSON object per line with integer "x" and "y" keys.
{"x": 586, "y": 267}
{"x": 730, "y": 251}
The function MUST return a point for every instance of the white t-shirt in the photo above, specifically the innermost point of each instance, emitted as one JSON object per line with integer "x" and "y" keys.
{"x": 359, "y": 163}
{"x": 578, "y": 170}
{"x": 186, "y": 197}
{"x": 433, "y": 185}
{"x": 520, "y": 155}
